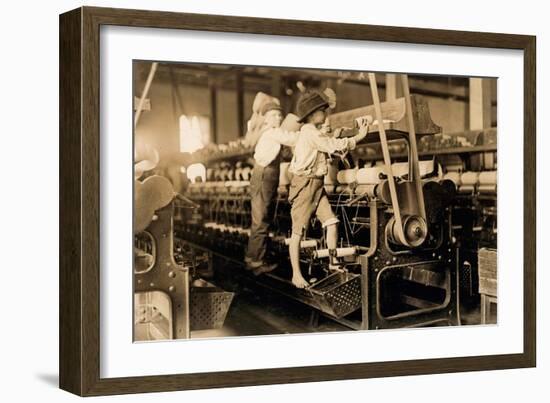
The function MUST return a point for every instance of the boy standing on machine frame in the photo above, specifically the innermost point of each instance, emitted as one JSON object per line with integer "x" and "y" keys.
{"x": 309, "y": 166}
{"x": 264, "y": 182}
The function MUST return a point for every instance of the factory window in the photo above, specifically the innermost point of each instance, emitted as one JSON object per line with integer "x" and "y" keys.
{"x": 194, "y": 133}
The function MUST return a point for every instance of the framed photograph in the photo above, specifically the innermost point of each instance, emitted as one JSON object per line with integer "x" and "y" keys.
{"x": 250, "y": 201}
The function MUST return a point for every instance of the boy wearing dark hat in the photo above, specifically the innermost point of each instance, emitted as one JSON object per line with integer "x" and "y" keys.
{"x": 264, "y": 183}
{"x": 309, "y": 166}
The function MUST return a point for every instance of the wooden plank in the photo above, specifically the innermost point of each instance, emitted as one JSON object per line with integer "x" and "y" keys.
{"x": 394, "y": 111}
{"x": 487, "y": 263}
{"x": 488, "y": 286}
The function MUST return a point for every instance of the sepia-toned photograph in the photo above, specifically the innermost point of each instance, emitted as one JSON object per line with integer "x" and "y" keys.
{"x": 283, "y": 200}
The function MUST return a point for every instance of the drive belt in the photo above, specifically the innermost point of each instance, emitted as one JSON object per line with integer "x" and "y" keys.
{"x": 414, "y": 168}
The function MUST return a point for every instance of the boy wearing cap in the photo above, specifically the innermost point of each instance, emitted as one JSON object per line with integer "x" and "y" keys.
{"x": 309, "y": 166}
{"x": 264, "y": 183}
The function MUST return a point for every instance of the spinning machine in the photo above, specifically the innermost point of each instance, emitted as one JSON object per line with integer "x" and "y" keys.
{"x": 396, "y": 263}
{"x": 402, "y": 259}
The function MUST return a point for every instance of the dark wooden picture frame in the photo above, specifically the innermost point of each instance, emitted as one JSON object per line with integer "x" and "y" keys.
{"x": 80, "y": 197}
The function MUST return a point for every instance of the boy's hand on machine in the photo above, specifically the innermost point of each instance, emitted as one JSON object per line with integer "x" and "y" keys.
{"x": 363, "y": 128}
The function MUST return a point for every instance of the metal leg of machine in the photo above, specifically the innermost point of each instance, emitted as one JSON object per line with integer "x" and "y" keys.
{"x": 165, "y": 275}
{"x": 402, "y": 288}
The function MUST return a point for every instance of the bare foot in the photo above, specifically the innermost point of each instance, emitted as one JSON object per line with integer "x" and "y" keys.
{"x": 299, "y": 282}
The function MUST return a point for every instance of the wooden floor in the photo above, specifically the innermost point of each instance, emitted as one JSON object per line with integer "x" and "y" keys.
{"x": 255, "y": 312}
{"x": 254, "y": 315}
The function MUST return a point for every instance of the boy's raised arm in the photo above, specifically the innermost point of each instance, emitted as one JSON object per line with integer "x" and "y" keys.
{"x": 285, "y": 137}
{"x": 330, "y": 145}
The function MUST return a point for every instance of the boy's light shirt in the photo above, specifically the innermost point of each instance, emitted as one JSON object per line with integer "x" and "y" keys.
{"x": 269, "y": 144}
{"x": 309, "y": 157}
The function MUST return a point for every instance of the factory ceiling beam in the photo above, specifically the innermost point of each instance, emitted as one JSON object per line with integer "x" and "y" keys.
{"x": 261, "y": 79}
{"x": 420, "y": 86}
{"x": 249, "y": 85}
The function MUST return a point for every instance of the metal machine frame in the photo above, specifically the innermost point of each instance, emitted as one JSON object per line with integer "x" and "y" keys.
{"x": 165, "y": 274}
